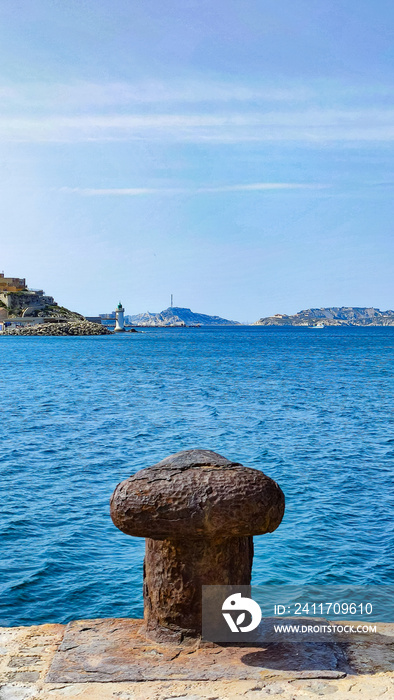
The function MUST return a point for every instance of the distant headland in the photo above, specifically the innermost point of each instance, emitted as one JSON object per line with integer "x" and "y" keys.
{"x": 332, "y": 316}
{"x": 178, "y": 316}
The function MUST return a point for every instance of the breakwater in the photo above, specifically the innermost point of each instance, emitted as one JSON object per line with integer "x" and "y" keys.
{"x": 59, "y": 328}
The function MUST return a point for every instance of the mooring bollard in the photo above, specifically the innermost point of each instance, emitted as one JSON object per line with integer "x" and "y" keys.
{"x": 198, "y": 512}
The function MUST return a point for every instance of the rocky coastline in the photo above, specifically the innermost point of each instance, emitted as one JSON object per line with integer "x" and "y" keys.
{"x": 61, "y": 328}
{"x": 332, "y": 316}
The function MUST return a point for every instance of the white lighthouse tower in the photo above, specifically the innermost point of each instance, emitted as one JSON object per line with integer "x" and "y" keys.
{"x": 119, "y": 315}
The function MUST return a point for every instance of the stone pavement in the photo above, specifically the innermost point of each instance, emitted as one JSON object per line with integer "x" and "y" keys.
{"x": 26, "y": 654}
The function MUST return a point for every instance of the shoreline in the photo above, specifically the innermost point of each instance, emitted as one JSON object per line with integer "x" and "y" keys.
{"x": 31, "y": 331}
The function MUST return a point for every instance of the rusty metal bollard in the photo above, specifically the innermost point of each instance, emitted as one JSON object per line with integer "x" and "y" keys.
{"x": 198, "y": 512}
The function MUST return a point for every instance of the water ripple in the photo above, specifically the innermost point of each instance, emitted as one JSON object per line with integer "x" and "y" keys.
{"x": 313, "y": 410}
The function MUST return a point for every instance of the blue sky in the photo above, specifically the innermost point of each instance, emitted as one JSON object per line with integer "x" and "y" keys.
{"x": 235, "y": 153}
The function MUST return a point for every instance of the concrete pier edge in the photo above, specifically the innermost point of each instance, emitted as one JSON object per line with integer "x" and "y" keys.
{"x": 26, "y": 655}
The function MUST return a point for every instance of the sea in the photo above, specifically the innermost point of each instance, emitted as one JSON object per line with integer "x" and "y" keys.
{"x": 311, "y": 408}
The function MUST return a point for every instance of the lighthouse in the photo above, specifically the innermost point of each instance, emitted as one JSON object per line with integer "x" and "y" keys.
{"x": 119, "y": 315}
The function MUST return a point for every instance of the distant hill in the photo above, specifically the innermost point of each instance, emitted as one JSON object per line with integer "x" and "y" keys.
{"x": 332, "y": 316}
{"x": 177, "y": 316}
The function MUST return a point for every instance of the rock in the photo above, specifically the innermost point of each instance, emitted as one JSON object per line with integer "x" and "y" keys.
{"x": 12, "y": 692}
{"x": 67, "y": 328}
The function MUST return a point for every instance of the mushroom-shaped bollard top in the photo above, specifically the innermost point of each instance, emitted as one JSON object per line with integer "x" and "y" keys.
{"x": 197, "y": 494}
{"x": 198, "y": 512}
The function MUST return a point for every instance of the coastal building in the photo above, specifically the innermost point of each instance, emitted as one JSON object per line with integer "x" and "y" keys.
{"x": 94, "y": 319}
{"x": 18, "y": 322}
{"x": 11, "y": 284}
{"x": 119, "y": 315}
{"x": 24, "y": 306}
{"x": 17, "y": 298}
{"x": 108, "y": 320}
{"x": 3, "y": 318}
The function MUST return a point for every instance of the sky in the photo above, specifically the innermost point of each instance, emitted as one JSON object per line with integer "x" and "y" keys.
{"x": 234, "y": 153}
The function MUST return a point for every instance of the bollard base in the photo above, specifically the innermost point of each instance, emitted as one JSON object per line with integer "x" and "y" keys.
{"x": 114, "y": 650}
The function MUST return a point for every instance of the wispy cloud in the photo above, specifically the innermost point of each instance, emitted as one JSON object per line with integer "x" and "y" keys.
{"x": 194, "y": 111}
{"x": 83, "y": 96}
{"x": 138, "y": 191}
{"x": 313, "y": 126}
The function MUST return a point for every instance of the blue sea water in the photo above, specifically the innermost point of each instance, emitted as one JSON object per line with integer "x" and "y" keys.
{"x": 311, "y": 408}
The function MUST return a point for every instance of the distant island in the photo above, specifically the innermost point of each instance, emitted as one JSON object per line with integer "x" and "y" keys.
{"x": 332, "y": 316}
{"x": 179, "y": 317}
